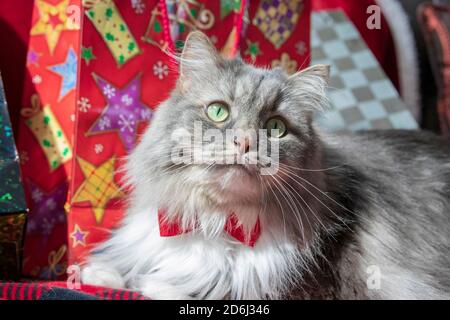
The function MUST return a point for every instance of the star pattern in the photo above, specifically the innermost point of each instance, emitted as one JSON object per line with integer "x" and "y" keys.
{"x": 99, "y": 187}
{"x": 87, "y": 54}
{"x": 228, "y": 6}
{"x": 253, "y": 50}
{"x": 78, "y": 236}
{"x": 52, "y": 21}
{"x": 48, "y": 210}
{"x": 123, "y": 111}
{"x": 68, "y": 72}
{"x": 33, "y": 57}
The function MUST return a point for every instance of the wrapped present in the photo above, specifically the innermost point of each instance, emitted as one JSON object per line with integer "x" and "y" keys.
{"x": 95, "y": 72}
{"x": 125, "y": 73}
{"x": 12, "y": 199}
{"x": 45, "y": 139}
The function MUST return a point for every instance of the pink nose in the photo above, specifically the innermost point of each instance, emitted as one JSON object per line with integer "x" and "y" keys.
{"x": 243, "y": 144}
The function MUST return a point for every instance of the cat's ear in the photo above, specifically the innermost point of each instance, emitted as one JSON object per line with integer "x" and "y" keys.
{"x": 309, "y": 87}
{"x": 199, "y": 56}
{"x": 321, "y": 71}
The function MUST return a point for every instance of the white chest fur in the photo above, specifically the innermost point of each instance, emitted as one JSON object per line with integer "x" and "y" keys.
{"x": 192, "y": 265}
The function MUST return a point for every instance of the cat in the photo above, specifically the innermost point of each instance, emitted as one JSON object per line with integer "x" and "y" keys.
{"x": 344, "y": 216}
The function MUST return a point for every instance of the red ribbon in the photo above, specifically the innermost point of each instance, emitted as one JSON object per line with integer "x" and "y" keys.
{"x": 232, "y": 227}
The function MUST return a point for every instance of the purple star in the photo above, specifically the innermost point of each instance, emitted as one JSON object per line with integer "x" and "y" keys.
{"x": 123, "y": 111}
{"x": 33, "y": 57}
{"x": 47, "y": 210}
{"x": 79, "y": 236}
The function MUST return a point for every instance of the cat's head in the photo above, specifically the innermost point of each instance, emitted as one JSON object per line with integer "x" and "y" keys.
{"x": 217, "y": 111}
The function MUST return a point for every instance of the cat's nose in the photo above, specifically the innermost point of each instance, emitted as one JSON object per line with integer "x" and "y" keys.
{"x": 243, "y": 143}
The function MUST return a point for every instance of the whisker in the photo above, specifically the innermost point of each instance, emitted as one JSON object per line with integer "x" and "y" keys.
{"x": 289, "y": 203}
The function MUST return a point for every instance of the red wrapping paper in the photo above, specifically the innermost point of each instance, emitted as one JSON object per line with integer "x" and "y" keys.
{"x": 102, "y": 140}
{"x": 94, "y": 76}
{"x": 46, "y": 124}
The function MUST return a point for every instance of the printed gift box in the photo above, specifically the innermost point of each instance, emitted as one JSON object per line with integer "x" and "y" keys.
{"x": 45, "y": 132}
{"x": 125, "y": 73}
{"x": 12, "y": 200}
{"x": 96, "y": 71}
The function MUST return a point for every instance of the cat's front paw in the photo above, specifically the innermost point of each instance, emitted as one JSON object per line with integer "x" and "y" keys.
{"x": 98, "y": 274}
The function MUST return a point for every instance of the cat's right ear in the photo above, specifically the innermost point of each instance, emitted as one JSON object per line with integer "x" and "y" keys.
{"x": 198, "y": 59}
{"x": 321, "y": 71}
{"x": 310, "y": 86}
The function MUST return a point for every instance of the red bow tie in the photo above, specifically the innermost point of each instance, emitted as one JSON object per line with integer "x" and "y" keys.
{"x": 232, "y": 227}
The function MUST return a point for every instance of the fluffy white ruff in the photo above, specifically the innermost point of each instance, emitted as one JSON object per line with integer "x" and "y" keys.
{"x": 194, "y": 265}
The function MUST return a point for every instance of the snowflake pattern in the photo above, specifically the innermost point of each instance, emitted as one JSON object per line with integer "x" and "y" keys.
{"x": 138, "y": 6}
{"x": 300, "y": 48}
{"x": 23, "y": 157}
{"x": 109, "y": 91}
{"x": 37, "y": 195}
{"x": 126, "y": 123}
{"x": 98, "y": 148}
{"x": 37, "y": 79}
{"x": 127, "y": 100}
{"x": 50, "y": 204}
{"x": 213, "y": 39}
{"x": 146, "y": 114}
{"x": 48, "y": 210}
{"x": 47, "y": 226}
{"x": 104, "y": 123}
{"x": 84, "y": 104}
{"x": 160, "y": 70}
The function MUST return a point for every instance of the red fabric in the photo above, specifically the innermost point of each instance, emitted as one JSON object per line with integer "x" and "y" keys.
{"x": 237, "y": 231}
{"x": 169, "y": 228}
{"x": 379, "y": 41}
{"x": 36, "y": 290}
{"x": 232, "y": 227}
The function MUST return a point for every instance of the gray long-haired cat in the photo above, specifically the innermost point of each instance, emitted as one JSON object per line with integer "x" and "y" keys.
{"x": 344, "y": 216}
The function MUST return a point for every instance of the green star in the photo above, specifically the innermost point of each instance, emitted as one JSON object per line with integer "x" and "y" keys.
{"x": 87, "y": 54}
{"x": 253, "y": 50}
{"x": 227, "y": 6}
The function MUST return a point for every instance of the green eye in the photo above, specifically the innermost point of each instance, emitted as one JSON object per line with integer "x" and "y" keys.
{"x": 217, "y": 112}
{"x": 278, "y": 125}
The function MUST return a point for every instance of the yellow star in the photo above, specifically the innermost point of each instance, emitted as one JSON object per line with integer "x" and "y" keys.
{"x": 78, "y": 236}
{"x": 98, "y": 187}
{"x": 52, "y": 21}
